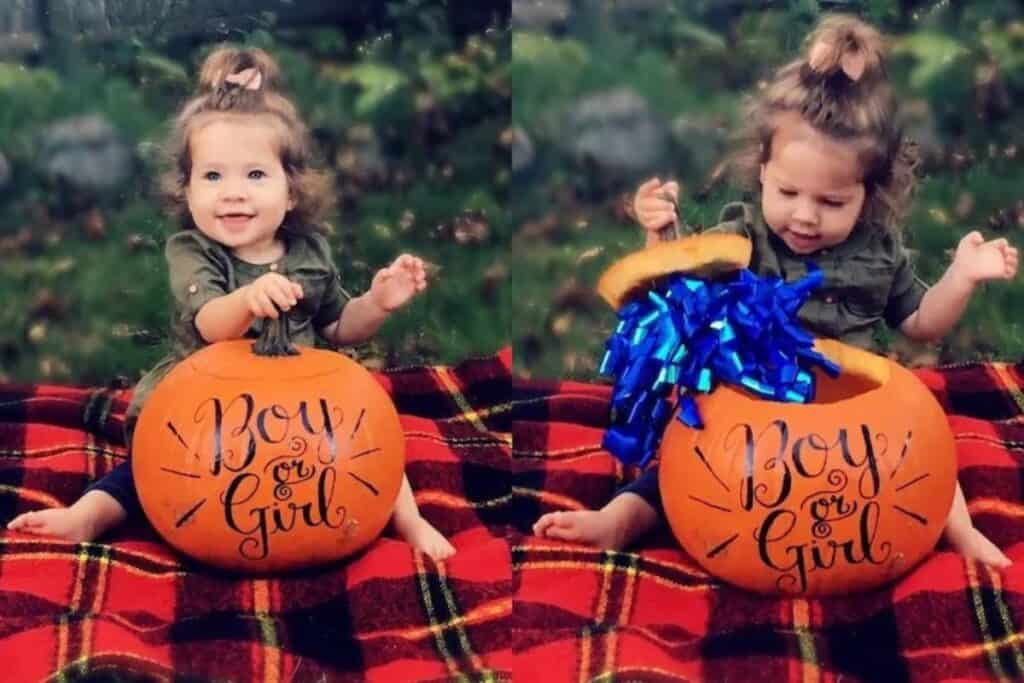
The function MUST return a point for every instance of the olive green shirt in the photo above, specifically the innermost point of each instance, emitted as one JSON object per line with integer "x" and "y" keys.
{"x": 202, "y": 270}
{"x": 868, "y": 278}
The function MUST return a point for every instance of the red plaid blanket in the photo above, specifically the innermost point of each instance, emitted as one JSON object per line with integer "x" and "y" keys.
{"x": 129, "y": 608}
{"x": 653, "y": 615}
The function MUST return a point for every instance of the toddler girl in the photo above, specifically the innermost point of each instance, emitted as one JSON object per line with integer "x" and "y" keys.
{"x": 834, "y": 178}
{"x": 249, "y": 202}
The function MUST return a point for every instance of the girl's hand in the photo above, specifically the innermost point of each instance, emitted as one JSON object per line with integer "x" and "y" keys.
{"x": 392, "y": 287}
{"x": 654, "y": 204}
{"x": 271, "y": 292}
{"x": 977, "y": 260}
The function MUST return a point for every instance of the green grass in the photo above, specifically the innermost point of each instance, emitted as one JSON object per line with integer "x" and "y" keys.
{"x": 92, "y": 306}
{"x": 685, "y": 68}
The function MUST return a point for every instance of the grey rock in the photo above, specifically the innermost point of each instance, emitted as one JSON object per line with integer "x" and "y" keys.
{"x": 86, "y": 154}
{"x": 540, "y": 15}
{"x": 5, "y": 172}
{"x": 702, "y": 143}
{"x": 616, "y": 134}
{"x": 20, "y": 29}
{"x": 523, "y": 152}
{"x": 20, "y": 16}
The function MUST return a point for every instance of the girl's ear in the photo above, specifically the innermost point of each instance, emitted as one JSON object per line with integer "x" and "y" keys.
{"x": 291, "y": 201}
{"x": 761, "y": 175}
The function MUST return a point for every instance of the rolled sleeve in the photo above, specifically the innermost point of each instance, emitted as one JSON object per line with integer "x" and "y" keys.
{"x": 333, "y": 297}
{"x": 197, "y": 274}
{"x": 906, "y": 292}
{"x": 332, "y": 303}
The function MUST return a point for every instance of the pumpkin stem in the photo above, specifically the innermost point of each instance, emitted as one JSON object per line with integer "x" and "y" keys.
{"x": 275, "y": 340}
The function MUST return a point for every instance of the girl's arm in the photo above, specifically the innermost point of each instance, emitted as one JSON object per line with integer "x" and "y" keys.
{"x": 976, "y": 261}
{"x": 229, "y": 316}
{"x": 654, "y": 206}
{"x": 392, "y": 288}
{"x": 359, "y": 320}
{"x": 226, "y": 317}
{"x": 940, "y": 309}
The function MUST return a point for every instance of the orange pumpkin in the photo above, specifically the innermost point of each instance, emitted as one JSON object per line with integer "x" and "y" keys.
{"x": 840, "y": 495}
{"x": 259, "y": 463}
{"x": 837, "y": 496}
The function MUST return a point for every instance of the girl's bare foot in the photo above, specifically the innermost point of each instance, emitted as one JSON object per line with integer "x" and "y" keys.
{"x": 973, "y": 544}
{"x": 90, "y": 516}
{"x": 64, "y": 523}
{"x": 593, "y": 527}
{"x": 421, "y": 534}
{"x": 623, "y": 520}
{"x": 418, "y": 532}
{"x": 967, "y": 540}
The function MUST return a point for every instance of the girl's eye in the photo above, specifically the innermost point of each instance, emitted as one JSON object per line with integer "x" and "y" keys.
{"x": 211, "y": 175}
{"x": 833, "y": 203}
{"x": 787, "y": 193}
{"x": 257, "y": 175}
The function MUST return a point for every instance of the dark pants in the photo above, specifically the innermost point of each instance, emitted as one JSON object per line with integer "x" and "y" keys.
{"x": 121, "y": 486}
{"x": 646, "y": 486}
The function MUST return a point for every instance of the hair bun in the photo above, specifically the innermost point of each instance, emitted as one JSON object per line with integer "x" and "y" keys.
{"x": 845, "y": 43}
{"x": 252, "y": 69}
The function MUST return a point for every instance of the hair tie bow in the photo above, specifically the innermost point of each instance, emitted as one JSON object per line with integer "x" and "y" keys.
{"x": 852, "y": 62}
{"x": 247, "y": 79}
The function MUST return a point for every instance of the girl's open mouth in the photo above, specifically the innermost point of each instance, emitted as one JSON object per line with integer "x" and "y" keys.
{"x": 802, "y": 240}
{"x": 235, "y": 221}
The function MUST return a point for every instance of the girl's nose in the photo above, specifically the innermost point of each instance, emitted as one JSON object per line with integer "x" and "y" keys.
{"x": 233, "y": 190}
{"x": 805, "y": 212}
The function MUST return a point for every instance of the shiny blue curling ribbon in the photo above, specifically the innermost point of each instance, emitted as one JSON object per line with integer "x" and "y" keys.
{"x": 691, "y": 335}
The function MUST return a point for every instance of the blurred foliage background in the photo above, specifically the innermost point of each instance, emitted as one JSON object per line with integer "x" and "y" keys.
{"x": 409, "y": 104}
{"x": 504, "y": 157}
{"x": 606, "y": 94}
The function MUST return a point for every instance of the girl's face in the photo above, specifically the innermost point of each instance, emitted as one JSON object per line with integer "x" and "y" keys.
{"x": 238, "y": 192}
{"x": 811, "y": 188}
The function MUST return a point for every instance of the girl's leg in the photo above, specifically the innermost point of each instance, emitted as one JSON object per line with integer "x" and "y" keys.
{"x": 967, "y": 540}
{"x": 103, "y": 506}
{"x": 88, "y": 518}
{"x": 633, "y": 511}
{"x": 416, "y": 531}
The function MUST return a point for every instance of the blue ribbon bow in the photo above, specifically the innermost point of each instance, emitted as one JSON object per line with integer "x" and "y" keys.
{"x": 692, "y": 335}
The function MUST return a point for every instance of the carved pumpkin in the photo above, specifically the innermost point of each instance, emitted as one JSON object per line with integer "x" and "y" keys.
{"x": 837, "y": 496}
{"x": 840, "y": 495}
{"x": 253, "y": 462}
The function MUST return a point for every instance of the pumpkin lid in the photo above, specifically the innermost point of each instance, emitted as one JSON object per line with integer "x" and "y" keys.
{"x": 706, "y": 255}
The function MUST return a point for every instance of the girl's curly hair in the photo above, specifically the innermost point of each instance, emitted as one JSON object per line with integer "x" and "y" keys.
{"x": 839, "y": 86}
{"x": 237, "y": 81}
